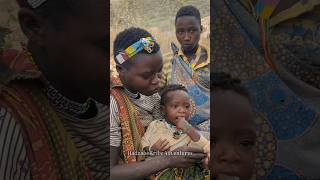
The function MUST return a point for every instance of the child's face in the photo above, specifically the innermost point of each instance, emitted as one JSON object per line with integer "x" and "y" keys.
{"x": 144, "y": 74}
{"x": 177, "y": 105}
{"x": 234, "y": 136}
{"x": 188, "y": 31}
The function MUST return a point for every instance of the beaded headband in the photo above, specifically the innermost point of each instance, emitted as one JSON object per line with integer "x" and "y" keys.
{"x": 32, "y": 3}
{"x": 146, "y": 44}
{"x": 264, "y": 8}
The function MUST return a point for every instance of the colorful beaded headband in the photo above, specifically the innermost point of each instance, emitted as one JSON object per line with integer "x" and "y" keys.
{"x": 32, "y": 3}
{"x": 264, "y": 8}
{"x": 146, "y": 44}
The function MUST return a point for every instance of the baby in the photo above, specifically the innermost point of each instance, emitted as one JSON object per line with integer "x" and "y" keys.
{"x": 174, "y": 131}
{"x": 234, "y": 135}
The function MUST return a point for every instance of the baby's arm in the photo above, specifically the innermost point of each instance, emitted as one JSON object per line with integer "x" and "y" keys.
{"x": 204, "y": 144}
{"x": 198, "y": 140}
{"x": 187, "y": 128}
{"x": 159, "y": 145}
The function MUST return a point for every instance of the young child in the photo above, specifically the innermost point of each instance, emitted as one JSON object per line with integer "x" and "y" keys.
{"x": 190, "y": 65}
{"x": 175, "y": 128}
{"x": 134, "y": 104}
{"x": 233, "y": 136}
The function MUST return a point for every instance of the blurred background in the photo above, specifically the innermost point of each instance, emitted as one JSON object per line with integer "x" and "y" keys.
{"x": 157, "y": 17}
{"x": 10, "y": 33}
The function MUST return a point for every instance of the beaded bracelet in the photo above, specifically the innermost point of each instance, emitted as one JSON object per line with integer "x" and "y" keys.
{"x": 187, "y": 128}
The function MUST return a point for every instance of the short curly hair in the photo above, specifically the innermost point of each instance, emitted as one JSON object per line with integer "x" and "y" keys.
{"x": 169, "y": 88}
{"x": 188, "y": 11}
{"x": 224, "y": 81}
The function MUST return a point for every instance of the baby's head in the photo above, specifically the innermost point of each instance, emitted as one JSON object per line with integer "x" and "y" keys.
{"x": 234, "y": 136}
{"x": 175, "y": 103}
{"x": 138, "y": 60}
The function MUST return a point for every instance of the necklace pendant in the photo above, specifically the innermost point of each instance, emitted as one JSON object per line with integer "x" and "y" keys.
{"x": 177, "y": 134}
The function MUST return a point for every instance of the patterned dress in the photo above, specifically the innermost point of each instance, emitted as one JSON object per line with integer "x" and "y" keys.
{"x": 278, "y": 60}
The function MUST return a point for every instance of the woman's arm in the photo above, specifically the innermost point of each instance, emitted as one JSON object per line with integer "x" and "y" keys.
{"x": 144, "y": 169}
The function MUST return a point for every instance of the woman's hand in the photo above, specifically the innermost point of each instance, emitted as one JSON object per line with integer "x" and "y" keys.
{"x": 192, "y": 156}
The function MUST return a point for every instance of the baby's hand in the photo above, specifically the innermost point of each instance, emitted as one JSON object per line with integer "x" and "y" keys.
{"x": 160, "y": 145}
{"x": 181, "y": 123}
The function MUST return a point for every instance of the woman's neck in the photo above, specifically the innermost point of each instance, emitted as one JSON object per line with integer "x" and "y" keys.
{"x": 56, "y": 80}
{"x": 132, "y": 94}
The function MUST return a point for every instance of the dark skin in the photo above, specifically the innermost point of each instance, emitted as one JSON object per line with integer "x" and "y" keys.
{"x": 233, "y": 136}
{"x": 188, "y": 30}
{"x": 72, "y": 57}
{"x": 144, "y": 169}
{"x": 177, "y": 111}
{"x": 143, "y": 77}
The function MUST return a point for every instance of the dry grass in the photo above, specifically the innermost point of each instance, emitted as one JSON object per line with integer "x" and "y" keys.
{"x": 8, "y": 19}
{"x": 164, "y": 38}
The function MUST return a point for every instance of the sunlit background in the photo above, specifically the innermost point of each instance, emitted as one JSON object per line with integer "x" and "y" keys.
{"x": 157, "y": 17}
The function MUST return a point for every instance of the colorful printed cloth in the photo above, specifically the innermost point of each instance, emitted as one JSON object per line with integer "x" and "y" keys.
{"x": 195, "y": 76}
{"x": 161, "y": 129}
{"x": 132, "y": 128}
{"x": 193, "y": 172}
{"x": 278, "y": 61}
{"x": 50, "y": 150}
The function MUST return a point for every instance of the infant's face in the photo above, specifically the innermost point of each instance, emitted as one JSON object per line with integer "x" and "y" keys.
{"x": 177, "y": 106}
{"x": 234, "y": 137}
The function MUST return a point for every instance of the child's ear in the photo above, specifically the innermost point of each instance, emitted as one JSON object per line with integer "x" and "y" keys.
{"x": 201, "y": 28}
